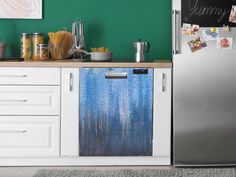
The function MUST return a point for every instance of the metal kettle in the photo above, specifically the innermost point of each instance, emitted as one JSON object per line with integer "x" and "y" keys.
{"x": 140, "y": 49}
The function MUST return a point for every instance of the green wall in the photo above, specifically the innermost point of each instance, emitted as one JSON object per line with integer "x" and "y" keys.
{"x": 111, "y": 23}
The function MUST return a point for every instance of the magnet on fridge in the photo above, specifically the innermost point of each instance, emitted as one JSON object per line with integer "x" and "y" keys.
{"x": 210, "y": 34}
{"x": 197, "y": 44}
{"x": 232, "y": 17}
{"x": 190, "y": 30}
{"x": 226, "y": 28}
{"x": 225, "y": 43}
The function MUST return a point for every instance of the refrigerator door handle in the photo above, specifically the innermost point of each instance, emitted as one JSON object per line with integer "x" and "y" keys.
{"x": 175, "y": 32}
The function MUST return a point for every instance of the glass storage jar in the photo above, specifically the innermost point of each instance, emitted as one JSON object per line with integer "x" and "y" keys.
{"x": 56, "y": 51}
{"x": 42, "y": 51}
{"x": 26, "y": 46}
{"x": 38, "y": 38}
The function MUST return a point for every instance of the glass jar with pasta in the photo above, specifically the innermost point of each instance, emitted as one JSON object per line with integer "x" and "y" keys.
{"x": 42, "y": 50}
{"x": 38, "y": 38}
{"x": 26, "y": 46}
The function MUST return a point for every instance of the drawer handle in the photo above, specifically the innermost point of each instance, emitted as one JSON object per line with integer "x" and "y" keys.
{"x": 13, "y": 131}
{"x": 13, "y": 100}
{"x": 71, "y": 82}
{"x": 24, "y": 75}
{"x": 116, "y": 75}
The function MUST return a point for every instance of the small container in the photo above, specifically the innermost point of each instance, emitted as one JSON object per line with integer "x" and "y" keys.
{"x": 26, "y": 46}
{"x": 38, "y": 38}
{"x": 42, "y": 51}
{"x": 3, "y": 46}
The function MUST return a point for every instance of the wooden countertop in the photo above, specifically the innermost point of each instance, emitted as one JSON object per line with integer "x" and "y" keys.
{"x": 77, "y": 64}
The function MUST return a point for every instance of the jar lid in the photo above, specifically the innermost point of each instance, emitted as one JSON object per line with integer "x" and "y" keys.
{"x": 42, "y": 45}
{"x": 25, "y": 34}
{"x": 37, "y": 34}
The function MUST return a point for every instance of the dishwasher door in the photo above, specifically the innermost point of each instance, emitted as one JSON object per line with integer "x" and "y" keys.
{"x": 116, "y": 112}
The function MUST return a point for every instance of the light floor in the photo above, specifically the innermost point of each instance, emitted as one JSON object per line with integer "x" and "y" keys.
{"x": 29, "y": 171}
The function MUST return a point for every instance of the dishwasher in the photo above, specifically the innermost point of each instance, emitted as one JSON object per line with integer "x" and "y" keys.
{"x": 116, "y": 112}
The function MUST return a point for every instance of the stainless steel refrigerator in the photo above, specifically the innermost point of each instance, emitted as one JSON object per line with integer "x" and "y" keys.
{"x": 204, "y": 84}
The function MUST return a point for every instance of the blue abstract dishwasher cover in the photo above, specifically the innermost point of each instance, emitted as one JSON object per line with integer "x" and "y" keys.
{"x": 116, "y": 117}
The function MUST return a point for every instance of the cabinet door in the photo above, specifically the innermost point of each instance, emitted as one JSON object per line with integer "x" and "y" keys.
{"x": 70, "y": 112}
{"x": 162, "y": 112}
{"x": 29, "y": 136}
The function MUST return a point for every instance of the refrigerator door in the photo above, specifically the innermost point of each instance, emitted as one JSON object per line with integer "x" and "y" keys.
{"x": 204, "y": 102}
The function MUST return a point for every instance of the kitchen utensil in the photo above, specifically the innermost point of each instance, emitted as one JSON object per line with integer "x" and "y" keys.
{"x": 141, "y": 48}
{"x": 78, "y": 39}
{"x": 3, "y": 46}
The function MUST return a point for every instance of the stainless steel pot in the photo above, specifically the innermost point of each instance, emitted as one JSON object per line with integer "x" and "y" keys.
{"x": 99, "y": 56}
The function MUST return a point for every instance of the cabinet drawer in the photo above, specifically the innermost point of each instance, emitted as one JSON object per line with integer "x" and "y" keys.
{"x": 29, "y": 100}
{"x": 29, "y": 76}
{"x": 24, "y": 136}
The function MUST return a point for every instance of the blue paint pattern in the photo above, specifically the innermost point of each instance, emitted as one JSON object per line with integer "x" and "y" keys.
{"x": 116, "y": 116}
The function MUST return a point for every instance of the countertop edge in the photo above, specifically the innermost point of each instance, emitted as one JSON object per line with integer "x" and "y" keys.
{"x": 74, "y": 64}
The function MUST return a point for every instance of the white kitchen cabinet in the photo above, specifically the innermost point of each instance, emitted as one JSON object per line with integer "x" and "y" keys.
{"x": 29, "y": 112}
{"x": 29, "y": 100}
{"x": 29, "y": 136}
{"x": 39, "y": 119}
{"x": 70, "y": 112}
{"x": 162, "y": 112}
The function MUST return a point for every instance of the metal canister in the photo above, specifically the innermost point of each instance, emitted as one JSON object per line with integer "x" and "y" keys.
{"x": 26, "y": 46}
{"x": 38, "y": 38}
